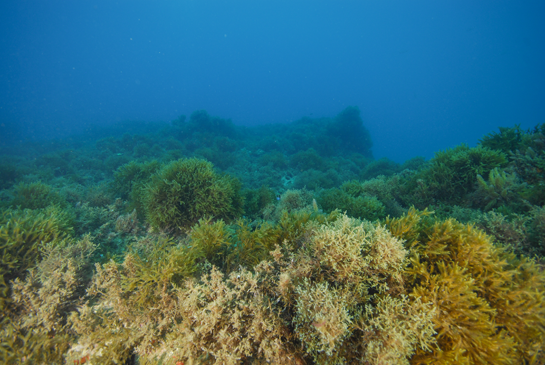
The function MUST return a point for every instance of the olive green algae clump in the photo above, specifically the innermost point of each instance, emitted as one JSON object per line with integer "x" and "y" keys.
{"x": 187, "y": 190}
{"x": 22, "y": 234}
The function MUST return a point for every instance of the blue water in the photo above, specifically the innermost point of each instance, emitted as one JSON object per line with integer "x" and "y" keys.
{"x": 426, "y": 75}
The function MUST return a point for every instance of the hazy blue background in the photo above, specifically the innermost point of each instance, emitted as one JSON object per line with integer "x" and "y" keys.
{"x": 426, "y": 75}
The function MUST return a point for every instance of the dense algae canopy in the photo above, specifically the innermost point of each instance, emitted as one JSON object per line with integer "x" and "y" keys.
{"x": 170, "y": 261}
{"x": 338, "y": 290}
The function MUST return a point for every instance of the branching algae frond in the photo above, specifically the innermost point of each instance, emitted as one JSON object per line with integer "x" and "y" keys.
{"x": 330, "y": 290}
